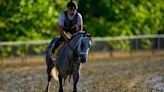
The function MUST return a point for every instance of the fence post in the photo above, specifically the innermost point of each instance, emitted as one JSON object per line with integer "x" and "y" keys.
{"x": 26, "y": 53}
{"x": 132, "y": 46}
{"x": 136, "y": 46}
{"x": 1, "y": 55}
{"x": 153, "y": 44}
{"x": 158, "y": 44}
{"x": 23, "y": 56}
{"x": 110, "y": 50}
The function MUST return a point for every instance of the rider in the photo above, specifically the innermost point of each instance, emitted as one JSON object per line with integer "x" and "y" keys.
{"x": 69, "y": 21}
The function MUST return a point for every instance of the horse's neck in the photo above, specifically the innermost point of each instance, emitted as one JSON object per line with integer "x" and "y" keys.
{"x": 75, "y": 40}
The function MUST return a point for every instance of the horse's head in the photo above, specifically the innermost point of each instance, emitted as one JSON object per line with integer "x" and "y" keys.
{"x": 84, "y": 47}
{"x": 82, "y": 44}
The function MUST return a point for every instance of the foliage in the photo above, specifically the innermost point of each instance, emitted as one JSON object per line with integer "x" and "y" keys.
{"x": 37, "y": 19}
{"x": 122, "y": 17}
{"x": 27, "y": 20}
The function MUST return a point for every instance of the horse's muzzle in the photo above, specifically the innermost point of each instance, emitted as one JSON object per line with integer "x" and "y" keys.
{"x": 83, "y": 58}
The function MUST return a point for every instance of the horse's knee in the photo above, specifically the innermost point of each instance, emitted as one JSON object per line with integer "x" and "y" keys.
{"x": 76, "y": 75}
{"x": 49, "y": 77}
{"x": 48, "y": 71}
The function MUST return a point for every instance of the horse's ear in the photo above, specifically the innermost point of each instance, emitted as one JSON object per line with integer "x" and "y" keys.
{"x": 88, "y": 35}
{"x": 85, "y": 33}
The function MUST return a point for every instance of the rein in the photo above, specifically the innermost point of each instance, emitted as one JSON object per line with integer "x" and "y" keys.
{"x": 71, "y": 47}
{"x": 74, "y": 55}
{"x": 74, "y": 51}
{"x": 71, "y": 60}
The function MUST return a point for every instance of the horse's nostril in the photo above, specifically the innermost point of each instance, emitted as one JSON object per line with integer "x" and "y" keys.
{"x": 83, "y": 58}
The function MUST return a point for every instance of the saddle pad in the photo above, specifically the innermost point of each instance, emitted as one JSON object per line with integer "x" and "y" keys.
{"x": 56, "y": 51}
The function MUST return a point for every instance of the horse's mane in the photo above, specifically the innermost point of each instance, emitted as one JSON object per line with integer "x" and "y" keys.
{"x": 81, "y": 32}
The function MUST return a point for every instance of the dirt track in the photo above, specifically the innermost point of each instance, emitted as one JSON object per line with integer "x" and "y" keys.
{"x": 126, "y": 75}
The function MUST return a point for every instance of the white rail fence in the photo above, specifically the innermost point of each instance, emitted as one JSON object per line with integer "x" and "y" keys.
{"x": 37, "y": 42}
{"x": 156, "y": 41}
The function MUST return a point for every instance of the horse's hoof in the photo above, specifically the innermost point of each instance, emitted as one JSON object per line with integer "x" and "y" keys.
{"x": 60, "y": 90}
{"x": 83, "y": 61}
{"x": 74, "y": 91}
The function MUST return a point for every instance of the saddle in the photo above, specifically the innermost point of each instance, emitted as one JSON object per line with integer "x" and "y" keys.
{"x": 56, "y": 51}
{"x": 52, "y": 44}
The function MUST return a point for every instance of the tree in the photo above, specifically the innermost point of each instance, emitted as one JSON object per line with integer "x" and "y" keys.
{"x": 122, "y": 17}
{"x": 27, "y": 20}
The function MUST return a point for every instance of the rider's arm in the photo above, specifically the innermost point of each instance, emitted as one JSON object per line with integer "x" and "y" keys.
{"x": 63, "y": 33}
{"x": 61, "y": 24}
{"x": 80, "y": 28}
{"x": 80, "y": 23}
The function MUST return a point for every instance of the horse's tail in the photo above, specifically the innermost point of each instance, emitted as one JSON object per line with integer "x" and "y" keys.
{"x": 55, "y": 73}
{"x": 51, "y": 68}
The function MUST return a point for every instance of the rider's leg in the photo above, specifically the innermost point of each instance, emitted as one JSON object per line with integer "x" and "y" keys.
{"x": 72, "y": 31}
{"x": 54, "y": 48}
{"x": 57, "y": 44}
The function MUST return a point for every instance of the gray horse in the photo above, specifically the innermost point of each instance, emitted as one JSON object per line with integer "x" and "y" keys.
{"x": 68, "y": 59}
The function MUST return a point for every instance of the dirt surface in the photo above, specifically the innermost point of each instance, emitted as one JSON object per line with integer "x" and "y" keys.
{"x": 117, "y": 75}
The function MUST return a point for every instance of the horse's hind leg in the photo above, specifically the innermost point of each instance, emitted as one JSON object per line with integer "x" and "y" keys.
{"x": 75, "y": 80}
{"x": 60, "y": 83}
{"x": 49, "y": 79}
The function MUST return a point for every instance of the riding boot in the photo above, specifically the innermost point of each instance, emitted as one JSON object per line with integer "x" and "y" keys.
{"x": 58, "y": 42}
{"x": 53, "y": 51}
{"x": 55, "y": 46}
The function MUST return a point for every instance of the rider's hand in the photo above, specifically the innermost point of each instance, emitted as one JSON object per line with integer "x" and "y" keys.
{"x": 67, "y": 38}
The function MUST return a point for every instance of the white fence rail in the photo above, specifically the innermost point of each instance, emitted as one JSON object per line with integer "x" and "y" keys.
{"x": 27, "y": 45}
{"x": 37, "y": 42}
{"x": 127, "y": 37}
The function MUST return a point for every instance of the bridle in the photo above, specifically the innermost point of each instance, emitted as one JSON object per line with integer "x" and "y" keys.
{"x": 73, "y": 49}
{"x": 75, "y": 54}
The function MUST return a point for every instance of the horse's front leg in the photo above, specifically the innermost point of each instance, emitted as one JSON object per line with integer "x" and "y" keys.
{"x": 75, "y": 80}
{"x": 60, "y": 83}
